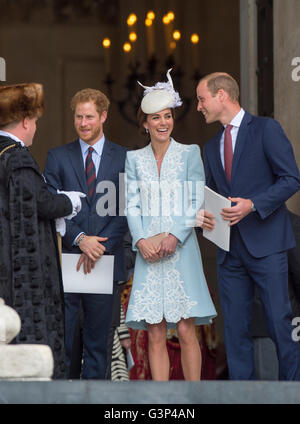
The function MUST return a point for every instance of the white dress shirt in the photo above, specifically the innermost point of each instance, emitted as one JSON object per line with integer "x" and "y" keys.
{"x": 97, "y": 153}
{"x": 236, "y": 123}
{"x": 10, "y": 135}
{"x": 96, "y": 156}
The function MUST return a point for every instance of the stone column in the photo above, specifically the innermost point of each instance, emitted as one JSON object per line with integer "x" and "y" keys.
{"x": 24, "y": 362}
{"x": 287, "y": 76}
{"x": 248, "y": 55}
{"x": 2, "y": 69}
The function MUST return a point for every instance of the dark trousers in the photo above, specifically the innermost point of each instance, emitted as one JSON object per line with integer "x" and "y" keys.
{"x": 237, "y": 276}
{"x": 97, "y": 317}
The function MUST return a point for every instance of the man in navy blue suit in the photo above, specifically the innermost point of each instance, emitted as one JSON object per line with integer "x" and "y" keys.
{"x": 86, "y": 163}
{"x": 251, "y": 162}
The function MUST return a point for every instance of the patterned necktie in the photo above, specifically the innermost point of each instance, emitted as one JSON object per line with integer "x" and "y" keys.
{"x": 228, "y": 153}
{"x": 90, "y": 173}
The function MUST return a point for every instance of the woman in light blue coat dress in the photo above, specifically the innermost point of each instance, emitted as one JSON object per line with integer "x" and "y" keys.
{"x": 165, "y": 189}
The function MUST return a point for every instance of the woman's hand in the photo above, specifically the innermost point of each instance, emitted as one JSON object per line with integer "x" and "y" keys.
{"x": 205, "y": 220}
{"x": 147, "y": 250}
{"x": 168, "y": 246}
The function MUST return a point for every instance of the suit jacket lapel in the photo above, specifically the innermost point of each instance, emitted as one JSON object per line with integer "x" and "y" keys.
{"x": 240, "y": 142}
{"x": 77, "y": 164}
{"x": 217, "y": 156}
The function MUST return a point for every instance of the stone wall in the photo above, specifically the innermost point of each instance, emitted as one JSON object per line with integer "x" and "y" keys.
{"x": 61, "y": 48}
{"x": 287, "y": 90}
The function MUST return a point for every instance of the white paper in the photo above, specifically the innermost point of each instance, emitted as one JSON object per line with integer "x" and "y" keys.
{"x": 214, "y": 203}
{"x": 98, "y": 281}
{"x": 130, "y": 360}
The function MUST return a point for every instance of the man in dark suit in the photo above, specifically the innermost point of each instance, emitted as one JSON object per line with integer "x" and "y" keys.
{"x": 252, "y": 163}
{"x": 93, "y": 165}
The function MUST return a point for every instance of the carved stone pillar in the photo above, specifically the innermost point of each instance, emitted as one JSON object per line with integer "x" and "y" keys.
{"x": 21, "y": 361}
{"x": 248, "y": 55}
{"x": 286, "y": 86}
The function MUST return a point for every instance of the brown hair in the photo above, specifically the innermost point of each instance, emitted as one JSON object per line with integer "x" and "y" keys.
{"x": 221, "y": 80}
{"x": 142, "y": 117}
{"x": 20, "y": 101}
{"x": 91, "y": 95}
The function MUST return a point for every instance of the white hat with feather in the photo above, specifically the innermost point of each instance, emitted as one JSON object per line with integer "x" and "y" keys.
{"x": 159, "y": 97}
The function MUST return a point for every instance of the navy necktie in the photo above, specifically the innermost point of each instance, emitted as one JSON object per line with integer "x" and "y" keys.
{"x": 90, "y": 173}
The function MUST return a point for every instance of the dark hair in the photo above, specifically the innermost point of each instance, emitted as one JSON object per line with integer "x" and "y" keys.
{"x": 142, "y": 117}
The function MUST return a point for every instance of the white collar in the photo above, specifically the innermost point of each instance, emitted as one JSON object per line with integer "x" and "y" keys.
{"x": 236, "y": 121}
{"x": 98, "y": 146}
{"x": 10, "y": 135}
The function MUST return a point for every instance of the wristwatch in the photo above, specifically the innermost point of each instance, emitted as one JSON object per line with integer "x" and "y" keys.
{"x": 253, "y": 208}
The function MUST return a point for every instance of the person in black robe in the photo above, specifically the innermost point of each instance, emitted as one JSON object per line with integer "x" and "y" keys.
{"x": 30, "y": 274}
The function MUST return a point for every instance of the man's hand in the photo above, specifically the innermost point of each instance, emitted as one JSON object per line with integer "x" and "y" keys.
{"x": 147, "y": 250}
{"x": 126, "y": 343}
{"x": 237, "y": 212}
{"x": 91, "y": 246}
{"x": 88, "y": 264}
{"x": 168, "y": 246}
{"x": 205, "y": 220}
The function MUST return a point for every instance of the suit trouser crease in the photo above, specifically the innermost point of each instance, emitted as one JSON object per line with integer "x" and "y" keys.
{"x": 97, "y": 310}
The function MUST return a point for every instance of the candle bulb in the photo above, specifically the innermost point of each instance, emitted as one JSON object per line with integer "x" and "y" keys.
{"x": 166, "y": 22}
{"x": 151, "y": 15}
{"x": 150, "y": 33}
{"x": 127, "y": 49}
{"x": 133, "y": 38}
{"x": 174, "y": 50}
{"x": 106, "y": 43}
{"x": 132, "y": 19}
{"x": 176, "y": 35}
{"x": 171, "y": 16}
{"x": 150, "y": 37}
{"x": 195, "y": 47}
{"x": 174, "y": 44}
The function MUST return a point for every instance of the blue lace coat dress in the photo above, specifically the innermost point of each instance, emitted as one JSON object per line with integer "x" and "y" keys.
{"x": 173, "y": 287}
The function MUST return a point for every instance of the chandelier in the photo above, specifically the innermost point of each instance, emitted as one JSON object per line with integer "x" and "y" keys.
{"x": 152, "y": 70}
